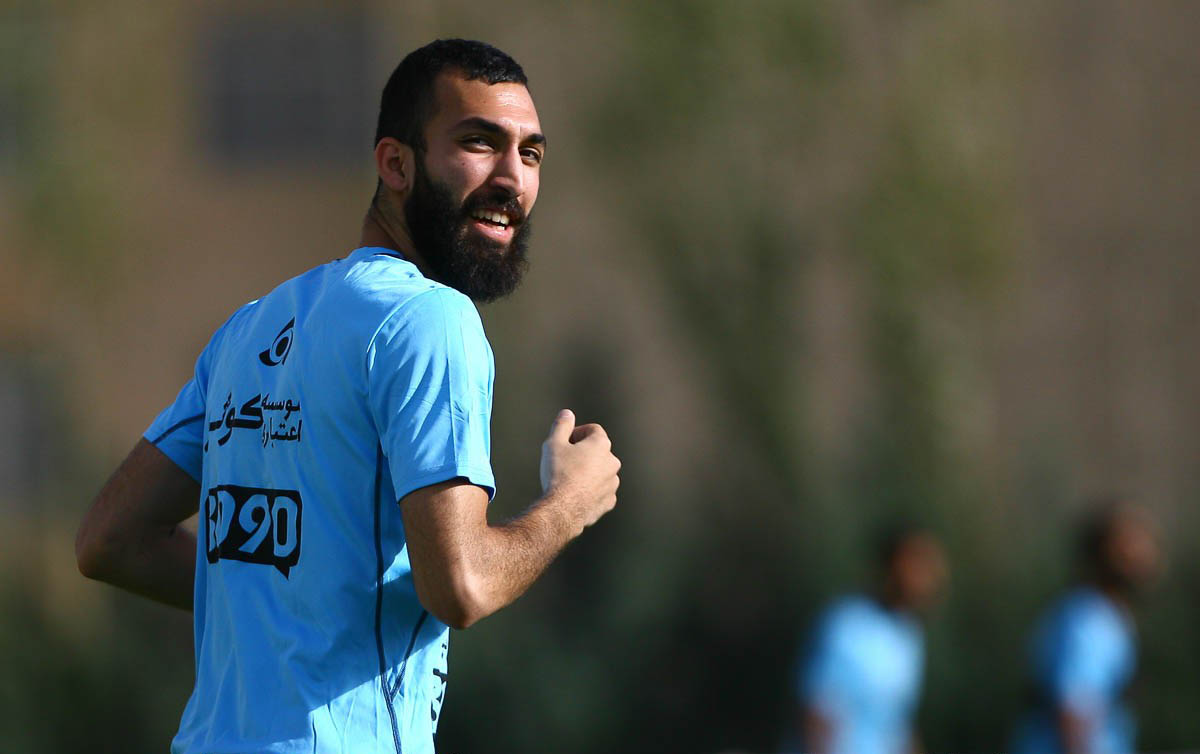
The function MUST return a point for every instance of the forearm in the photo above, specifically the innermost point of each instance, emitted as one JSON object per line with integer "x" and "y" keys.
{"x": 515, "y": 553}
{"x": 465, "y": 568}
{"x": 1073, "y": 731}
{"x": 474, "y": 575}
{"x": 160, "y": 565}
{"x": 816, "y": 731}
{"x": 914, "y": 745}
{"x": 132, "y": 538}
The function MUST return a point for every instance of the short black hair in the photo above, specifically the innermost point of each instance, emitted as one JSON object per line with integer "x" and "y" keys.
{"x": 407, "y": 99}
{"x": 1101, "y": 517}
{"x": 892, "y": 537}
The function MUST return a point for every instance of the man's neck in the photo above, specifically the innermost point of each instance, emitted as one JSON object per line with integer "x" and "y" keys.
{"x": 1114, "y": 592}
{"x": 886, "y": 597}
{"x": 381, "y": 230}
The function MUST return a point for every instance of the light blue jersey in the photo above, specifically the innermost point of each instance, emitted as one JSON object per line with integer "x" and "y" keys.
{"x": 311, "y": 412}
{"x": 1083, "y": 657}
{"x": 862, "y": 672}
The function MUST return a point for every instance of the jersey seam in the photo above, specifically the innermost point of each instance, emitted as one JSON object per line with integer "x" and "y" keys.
{"x": 394, "y": 313}
{"x": 378, "y": 506}
{"x": 412, "y": 641}
{"x": 475, "y": 474}
{"x": 176, "y": 426}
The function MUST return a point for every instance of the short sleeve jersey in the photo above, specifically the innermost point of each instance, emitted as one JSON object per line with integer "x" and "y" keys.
{"x": 1083, "y": 656}
{"x": 862, "y": 672}
{"x": 311, "y": 412}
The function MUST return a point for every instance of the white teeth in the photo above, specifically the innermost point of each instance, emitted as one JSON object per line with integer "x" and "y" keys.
{"x": 495, "y": 217}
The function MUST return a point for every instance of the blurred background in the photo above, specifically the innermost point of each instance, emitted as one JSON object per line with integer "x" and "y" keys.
{"x": 814, "y": 265}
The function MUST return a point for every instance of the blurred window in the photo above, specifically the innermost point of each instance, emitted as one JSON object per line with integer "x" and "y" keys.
{"x": 285, "y": 87}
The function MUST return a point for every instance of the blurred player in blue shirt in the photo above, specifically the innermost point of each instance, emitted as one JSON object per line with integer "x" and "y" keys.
{"x": 1083, "y": 652}
{"x": 860, "y": 676}
{"x": 334, "y": 438}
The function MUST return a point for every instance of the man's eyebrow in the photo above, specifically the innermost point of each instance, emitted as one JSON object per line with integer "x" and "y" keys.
{"x": 483, "y": 124}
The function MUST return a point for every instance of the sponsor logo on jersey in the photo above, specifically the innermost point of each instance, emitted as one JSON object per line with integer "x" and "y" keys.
{"x": 281, "y": 346}
{"x": 276, "y": 420}
{"x": 253, "y": 525}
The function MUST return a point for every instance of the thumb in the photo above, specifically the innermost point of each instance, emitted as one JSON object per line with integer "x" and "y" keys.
{"x": 564, "y": 424}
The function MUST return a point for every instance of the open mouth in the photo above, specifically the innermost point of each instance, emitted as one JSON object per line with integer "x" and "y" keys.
{"x": 494, "y": 223}
{"x": 492, "y": 217}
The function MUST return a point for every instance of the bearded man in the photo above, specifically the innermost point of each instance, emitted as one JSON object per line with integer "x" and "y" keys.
{"x": 334, "y": 439}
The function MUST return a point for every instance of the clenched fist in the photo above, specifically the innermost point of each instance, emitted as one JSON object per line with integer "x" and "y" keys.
{"x": 579, "y": 470}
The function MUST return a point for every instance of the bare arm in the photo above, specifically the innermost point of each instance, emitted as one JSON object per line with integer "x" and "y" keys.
{"x": 464, "y": 568}
{"x": 131, "y": 537}
{"x": 914, "y": 744}
{"x": 816, "y": 730}
{"x": 1074, "y": 731}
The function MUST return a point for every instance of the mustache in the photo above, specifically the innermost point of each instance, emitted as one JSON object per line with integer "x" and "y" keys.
{"x": 499, "y": 201}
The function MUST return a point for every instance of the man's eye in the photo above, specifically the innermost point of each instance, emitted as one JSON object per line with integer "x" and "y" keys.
{"x": 532, "y": 155}
{"x": 475, "y": 141}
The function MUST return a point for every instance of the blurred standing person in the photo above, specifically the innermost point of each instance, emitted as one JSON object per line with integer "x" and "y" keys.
{"x": 860, "y": 677}
{"x": 1084, "y": 647}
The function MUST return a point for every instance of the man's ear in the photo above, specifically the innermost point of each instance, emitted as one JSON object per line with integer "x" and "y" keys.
{"x": 395, "y": 162}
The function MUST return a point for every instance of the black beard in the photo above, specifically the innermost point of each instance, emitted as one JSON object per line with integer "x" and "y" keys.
{"x": 480, "y": 268}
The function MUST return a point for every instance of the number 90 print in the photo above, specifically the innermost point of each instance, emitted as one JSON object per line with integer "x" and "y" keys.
{"x": 253, "y": 525}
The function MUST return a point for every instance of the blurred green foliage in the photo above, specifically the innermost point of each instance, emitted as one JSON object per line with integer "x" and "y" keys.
{"x": 60, "y": 188}
{"x": 61, "y": 693}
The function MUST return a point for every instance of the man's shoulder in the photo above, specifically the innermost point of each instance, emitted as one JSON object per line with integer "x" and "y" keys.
{"x": 859, "y": 615}
{"x": 1088, "y": 610}
{"x": 363, "y": 303}
{"x": 850, "y": 607}
{"x": 437, "y": 320}
{"x": 364, "y": 289}
{"x": 405, "y": 310}
{"x": 351, "y": 299}
{"x": 843, "y": 614}
{"x": 1080, "y": 618}
{"x": 388, "y": 284}
{"x": 1079, "y": 602}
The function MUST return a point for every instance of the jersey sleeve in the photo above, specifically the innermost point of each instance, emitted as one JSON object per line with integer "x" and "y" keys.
{"x": 178, "y": 431}
{"x": 430, "y": 374}
{"x": 823, "y": 679}
{"x": 1083, "y": 662}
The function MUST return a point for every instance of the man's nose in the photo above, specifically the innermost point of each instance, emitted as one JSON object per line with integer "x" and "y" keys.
{"x": 509, "y": 172}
